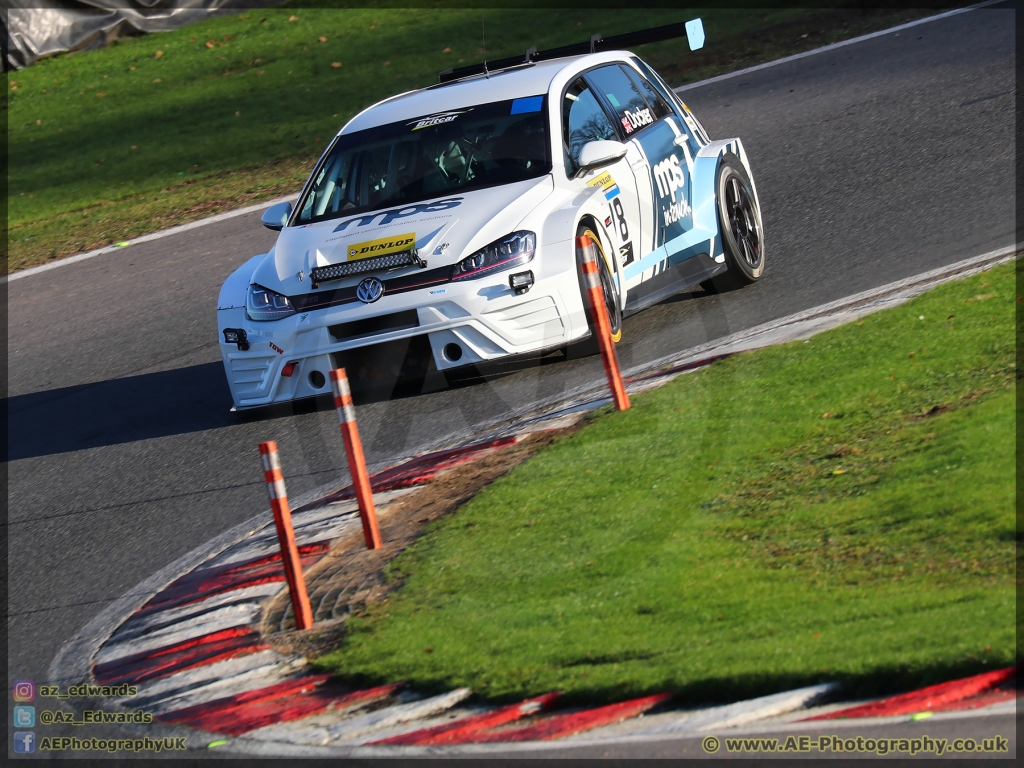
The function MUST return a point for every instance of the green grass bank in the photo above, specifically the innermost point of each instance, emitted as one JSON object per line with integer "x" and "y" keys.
{"x": 836, "y": 509}
{"x": 166, "y": 128}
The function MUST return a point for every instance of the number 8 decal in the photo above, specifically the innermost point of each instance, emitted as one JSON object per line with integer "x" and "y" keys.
{"x": 621, "y": 216}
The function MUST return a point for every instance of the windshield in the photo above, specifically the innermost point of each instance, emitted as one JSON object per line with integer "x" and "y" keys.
{"x": 430, "y": 156}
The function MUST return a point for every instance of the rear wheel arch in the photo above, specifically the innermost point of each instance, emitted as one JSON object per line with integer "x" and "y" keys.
{"x": 740, "y": 224}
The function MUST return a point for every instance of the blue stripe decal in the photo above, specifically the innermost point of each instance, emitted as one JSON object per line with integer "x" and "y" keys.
{"x": 611, "y": 192}
{"x": 656, "y": 256}
{"x": 682, "y": 247}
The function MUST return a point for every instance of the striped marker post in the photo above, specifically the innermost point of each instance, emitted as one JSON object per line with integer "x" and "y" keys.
{"x": 592, "y": 280}
{"x": 286, "y": 534}
{"x": 356, "y": 460}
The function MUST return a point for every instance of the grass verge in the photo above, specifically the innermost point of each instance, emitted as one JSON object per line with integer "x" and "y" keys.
{"x": 841, "y": 508}
{"x": 158, "y": 130}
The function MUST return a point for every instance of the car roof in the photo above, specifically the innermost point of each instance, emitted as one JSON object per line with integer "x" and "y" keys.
{"x": 510, "y": 83}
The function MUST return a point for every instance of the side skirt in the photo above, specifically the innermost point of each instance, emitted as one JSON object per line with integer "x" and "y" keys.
{"x": 676, "y": 278}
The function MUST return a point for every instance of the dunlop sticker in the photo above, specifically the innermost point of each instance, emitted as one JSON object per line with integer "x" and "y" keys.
{"x": 381, "y": 247}
{"x": 607, "y": 185}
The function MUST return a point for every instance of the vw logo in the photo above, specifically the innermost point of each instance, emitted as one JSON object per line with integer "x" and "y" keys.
{"x": 369, "y": 290}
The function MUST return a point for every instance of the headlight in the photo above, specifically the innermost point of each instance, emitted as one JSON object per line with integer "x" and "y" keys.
{"x": 510, "y": 251}
{"x": 264, "y": 304}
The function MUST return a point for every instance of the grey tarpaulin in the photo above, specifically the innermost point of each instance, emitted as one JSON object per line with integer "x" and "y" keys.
{"x": 39, "y": 28}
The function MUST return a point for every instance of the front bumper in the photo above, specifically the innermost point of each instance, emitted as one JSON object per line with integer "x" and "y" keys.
{"x": 483, "y": 318}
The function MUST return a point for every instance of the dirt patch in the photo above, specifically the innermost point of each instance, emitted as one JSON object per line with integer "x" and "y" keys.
{"x": 935, "y": 410}
{"x": 350, "y": 577}
{"x": 839, "y": 452}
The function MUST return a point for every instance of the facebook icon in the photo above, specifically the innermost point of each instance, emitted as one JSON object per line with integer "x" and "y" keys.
{"x": 24, "y": 742}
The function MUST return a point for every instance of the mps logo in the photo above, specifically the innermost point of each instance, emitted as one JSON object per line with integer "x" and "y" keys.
{"x": 386, "y": 217}
{"x": 670, "y": 178}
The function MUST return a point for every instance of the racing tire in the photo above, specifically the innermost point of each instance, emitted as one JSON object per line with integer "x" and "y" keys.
{"x": 739, "y": 222}
{"x": 611, "y": 295}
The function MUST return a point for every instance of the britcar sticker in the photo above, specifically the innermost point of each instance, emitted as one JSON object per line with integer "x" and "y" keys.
{"x": 402, "y": 213}
{"x": 381, "y": 247}
{"x": 438, "y": 119}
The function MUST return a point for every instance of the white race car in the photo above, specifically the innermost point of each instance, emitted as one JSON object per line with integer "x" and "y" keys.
{"x": 444, "y": 220}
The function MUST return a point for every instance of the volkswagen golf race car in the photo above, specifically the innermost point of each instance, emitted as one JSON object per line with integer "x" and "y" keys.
{"x": 447, "y": 217}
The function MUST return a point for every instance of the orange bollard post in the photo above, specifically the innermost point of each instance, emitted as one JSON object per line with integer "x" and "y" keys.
{"x": 286, "y": 534}
{"x": 592, "y": 281}
{"x": 356, "y": 460}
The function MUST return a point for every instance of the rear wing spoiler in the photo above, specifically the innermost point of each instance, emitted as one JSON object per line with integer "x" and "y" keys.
{"x": 693, "y": 30}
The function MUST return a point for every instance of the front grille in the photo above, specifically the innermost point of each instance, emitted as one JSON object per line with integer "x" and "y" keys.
{"x": 385, "y": 364}
{"x": 372, "y": 325}
{"x": 374, "y": 264}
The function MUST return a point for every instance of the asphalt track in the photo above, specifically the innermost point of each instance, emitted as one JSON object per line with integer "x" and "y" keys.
{"x": 874, "y": 162}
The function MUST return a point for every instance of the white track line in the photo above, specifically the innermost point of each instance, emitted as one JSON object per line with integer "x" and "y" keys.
{"x": 144, "y": 239}
{"x": 252, "y": 208}
{"x": 842, "y": 310}
{"x": 833, "y": 46}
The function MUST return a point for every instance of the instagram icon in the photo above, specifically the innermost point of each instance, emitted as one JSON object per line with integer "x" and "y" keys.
{"x": 24, "y": 690}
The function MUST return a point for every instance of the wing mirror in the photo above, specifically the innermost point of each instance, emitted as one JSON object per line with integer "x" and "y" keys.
{"x": 276, "y": 216}
{"x": 597, "y": 154}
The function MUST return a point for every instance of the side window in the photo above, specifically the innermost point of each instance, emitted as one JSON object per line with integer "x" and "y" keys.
{"x": 674, "y": 100}
{"x": 654, "y": 100}
{"x": 330, "y": 193}
{"x": 631, "y": 110}
{"x": 583, "y": 120}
